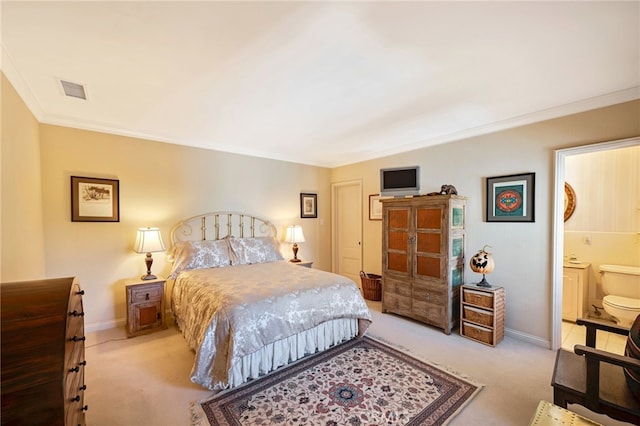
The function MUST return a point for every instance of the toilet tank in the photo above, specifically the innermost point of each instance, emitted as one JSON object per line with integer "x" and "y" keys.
{"x": 621, "y": 280}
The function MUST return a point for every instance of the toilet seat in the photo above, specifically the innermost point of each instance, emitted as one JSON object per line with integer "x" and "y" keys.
{"x": 620, "y": 302}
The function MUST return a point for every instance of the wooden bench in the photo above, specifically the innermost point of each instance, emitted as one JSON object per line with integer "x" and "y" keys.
{"x": 594, "y": 378}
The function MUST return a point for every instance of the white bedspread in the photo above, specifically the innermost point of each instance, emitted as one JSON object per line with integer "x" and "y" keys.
{"x": 228, "y": 313}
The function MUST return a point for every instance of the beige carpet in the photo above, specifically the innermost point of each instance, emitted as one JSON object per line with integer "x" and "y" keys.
{"x": 145, "y": 380}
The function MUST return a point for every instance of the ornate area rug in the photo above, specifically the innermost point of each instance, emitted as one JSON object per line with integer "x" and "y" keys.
{"x": 360, "y": 382}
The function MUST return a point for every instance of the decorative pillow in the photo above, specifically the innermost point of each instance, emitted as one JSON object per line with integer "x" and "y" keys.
{"x": 633, "y": 350}
{"x": 254, "y": 250}
{"x": 199, "y": 255}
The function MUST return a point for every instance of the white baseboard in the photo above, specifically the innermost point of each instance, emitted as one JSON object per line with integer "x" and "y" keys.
{"x": 106, "y": 325}
{"x": 529, "y": 338}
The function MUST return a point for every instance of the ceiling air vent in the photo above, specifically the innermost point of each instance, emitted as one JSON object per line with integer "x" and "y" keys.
{"x": 73, "y": 89}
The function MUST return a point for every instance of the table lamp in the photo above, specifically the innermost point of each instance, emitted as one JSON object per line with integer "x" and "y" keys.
{"x": 148, "y": 241}
{"x": 294, "y": 235}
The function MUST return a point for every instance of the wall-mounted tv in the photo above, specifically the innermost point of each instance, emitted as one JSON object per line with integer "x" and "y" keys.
{"x": 400, "y": 181}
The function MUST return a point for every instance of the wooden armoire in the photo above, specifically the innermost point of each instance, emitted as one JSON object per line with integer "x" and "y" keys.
{"x": 423, "y": 241}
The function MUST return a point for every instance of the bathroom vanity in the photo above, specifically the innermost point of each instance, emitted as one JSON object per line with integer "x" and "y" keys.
{"x": 575, "y": 290}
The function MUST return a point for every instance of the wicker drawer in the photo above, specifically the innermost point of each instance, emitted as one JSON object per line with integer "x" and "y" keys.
{"x": 478, "y": 298}
{"x": 478, "y": 316}
{"x": 476, "y": 332}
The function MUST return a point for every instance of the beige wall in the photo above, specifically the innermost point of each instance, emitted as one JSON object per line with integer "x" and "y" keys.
{"x": 522, "y": 251}
{"x": 21, "y": 232}
{"x": 159, "y": 185}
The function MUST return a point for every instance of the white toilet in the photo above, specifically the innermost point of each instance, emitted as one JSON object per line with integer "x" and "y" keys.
{"x": 621, "y": 285}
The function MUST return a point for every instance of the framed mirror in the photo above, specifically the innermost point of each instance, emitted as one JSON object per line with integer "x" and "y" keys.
{"x": 569, "y": 201}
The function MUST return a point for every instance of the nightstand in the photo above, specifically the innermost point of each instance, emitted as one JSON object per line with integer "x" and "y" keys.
{"x": 305, "y": 263}
{"x": 145, "y": 306}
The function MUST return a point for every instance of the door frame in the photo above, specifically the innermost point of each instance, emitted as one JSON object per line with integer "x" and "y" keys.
{"x": 334, "y": 220}
{"x": 558, "y": 226}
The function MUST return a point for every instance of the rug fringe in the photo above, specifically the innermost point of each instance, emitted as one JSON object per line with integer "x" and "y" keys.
{"x": 406, "y": 351}
{"x": 198, "y": 417}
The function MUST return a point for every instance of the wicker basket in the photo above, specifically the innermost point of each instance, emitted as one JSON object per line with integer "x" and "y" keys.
{"x": 371, "y": 286}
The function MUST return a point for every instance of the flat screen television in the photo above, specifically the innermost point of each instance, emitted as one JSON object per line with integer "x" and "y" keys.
{"x": 400, "y": 181}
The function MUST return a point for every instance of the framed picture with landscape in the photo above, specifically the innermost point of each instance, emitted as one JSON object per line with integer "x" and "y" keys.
{"x": 308, "y": 206}
{"x": 511, "y": 198}
{"x": 95, "y": 200}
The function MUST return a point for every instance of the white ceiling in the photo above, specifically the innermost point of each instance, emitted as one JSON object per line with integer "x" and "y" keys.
{"x": 318, "y": 83}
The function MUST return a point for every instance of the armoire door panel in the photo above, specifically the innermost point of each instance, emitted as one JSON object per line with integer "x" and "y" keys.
{"x": 429, "y": 218}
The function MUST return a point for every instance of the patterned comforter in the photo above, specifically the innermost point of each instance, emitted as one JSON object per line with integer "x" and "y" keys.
{"x": 229, "y": 312}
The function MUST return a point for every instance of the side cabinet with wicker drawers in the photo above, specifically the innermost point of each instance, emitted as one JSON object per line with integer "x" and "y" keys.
{"x": 482, "y": 314}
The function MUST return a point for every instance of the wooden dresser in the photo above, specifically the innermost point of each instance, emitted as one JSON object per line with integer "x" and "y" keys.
{"x": 42, "y": 342}
{"x": 423, "y": 242}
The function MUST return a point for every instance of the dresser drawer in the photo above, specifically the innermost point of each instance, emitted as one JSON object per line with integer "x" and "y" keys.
{"x": 401, "y": 288}
{"x": 396, "y": 304}
{"x": 430, "y": 293}
{"x": 432, "y": 313}
{"x": 478, "y": 298}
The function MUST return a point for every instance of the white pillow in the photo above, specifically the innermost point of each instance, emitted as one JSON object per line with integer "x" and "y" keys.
{"x": 254, "y": 250}
{"x": 199, "y": 255}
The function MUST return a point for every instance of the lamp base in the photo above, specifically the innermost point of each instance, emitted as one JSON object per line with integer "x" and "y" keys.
{"x": 148, "y": 277}
{"x": 295, "y": 253}
{"x": 484, "y": 283}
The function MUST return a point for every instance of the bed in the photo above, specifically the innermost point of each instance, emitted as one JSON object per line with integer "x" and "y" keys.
{"x": 247, "y": 311}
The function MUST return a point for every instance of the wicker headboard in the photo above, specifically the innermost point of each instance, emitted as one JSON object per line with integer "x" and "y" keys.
{"x": 218, "y": 225}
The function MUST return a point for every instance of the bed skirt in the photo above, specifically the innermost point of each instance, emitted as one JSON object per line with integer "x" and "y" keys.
{"x": 284, "y": 352}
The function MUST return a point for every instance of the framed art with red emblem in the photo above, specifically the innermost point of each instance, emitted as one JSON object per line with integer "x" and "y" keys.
{"x": 511, "y": 198}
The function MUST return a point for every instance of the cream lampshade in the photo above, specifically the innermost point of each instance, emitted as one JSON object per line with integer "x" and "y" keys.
{"x": 148, "y": 241}
{"x": 294, "y": 235}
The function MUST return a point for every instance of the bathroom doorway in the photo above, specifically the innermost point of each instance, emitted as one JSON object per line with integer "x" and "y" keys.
{"x": 558, "y": 225}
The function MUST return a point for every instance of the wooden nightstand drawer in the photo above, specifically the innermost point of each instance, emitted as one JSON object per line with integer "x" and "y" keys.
{"x": 146, "y": 293}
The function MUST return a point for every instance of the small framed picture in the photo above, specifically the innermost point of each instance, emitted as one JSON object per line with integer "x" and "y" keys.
{"x": 511, "y": 198}
{"x": 375, "y": 206}
{"x": 308, "y": 206}
{"x": 95, "y": 200}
